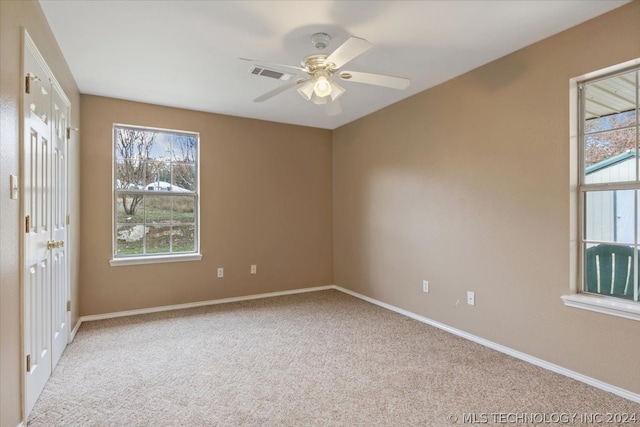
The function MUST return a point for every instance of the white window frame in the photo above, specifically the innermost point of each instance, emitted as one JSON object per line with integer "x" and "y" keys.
{"x": 153, "y": 258}
{"x": 576, "y": 297}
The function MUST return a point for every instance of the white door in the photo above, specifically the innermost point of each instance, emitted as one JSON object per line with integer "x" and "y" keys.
{"x": 44, "y": 201}
{"x": 59, "y": 267}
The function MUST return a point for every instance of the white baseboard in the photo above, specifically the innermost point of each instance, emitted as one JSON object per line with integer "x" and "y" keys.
{"x": 197, "y": 304}
{"x": 634, "y": 397}
{"x": 74, "y": 331}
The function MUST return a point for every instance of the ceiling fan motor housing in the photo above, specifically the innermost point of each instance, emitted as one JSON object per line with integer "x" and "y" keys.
{"x": 314, "y": 63}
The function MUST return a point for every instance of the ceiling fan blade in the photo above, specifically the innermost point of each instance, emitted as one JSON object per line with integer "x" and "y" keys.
{"x": 352, "y": 48}
{"x": 375, "y": 79}
{"x": 333, "y": 108}
{"x": 279, "y": 90}
{"x": 273, "y": 64}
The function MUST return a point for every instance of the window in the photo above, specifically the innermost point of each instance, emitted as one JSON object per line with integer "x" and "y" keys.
{"x": 608, "y": 194}
{"x": 156, "y": 200}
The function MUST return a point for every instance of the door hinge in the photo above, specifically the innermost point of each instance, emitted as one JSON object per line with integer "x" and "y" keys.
{"x": 68, "y": 305}
{"x": 69, "y": 129}
{"x": 27, "y": 82}
{"x": 28, "y": 363}
{"x": 27, "y": 224}
{"x": 68, "y": 219}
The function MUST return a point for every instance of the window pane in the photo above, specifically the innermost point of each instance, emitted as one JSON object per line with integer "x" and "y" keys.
{"x": 132, "y": 143}
{"x": 183, "y": 238}
{"x": 638, "y": 217}
{"x": 129, "y": 208}
{"x": 130, "y": 239}
{"x": 609, "y": 270}
{"x": 158, "y": 209}
{"x": 184, "y": 177}
{"x": 609, "y": 97}
{"x": 158, "y": 239}
{"x": 129, "y": 173}
{"x": 185, "y": 148}
{"x": 157, "y": 176}
{"x": 610, "y": 156}
{"x": 184, "y": 210}
{"x": 609, "y": 216}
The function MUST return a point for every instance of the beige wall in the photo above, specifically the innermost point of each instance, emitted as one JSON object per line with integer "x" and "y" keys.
{"x": 15, "y": 15}
{"x": 265, "y": 200}
{"x": 467, "y": 185}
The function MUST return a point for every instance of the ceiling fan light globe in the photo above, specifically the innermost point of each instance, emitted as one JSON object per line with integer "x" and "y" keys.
{"x": 322, "y": 87}
{"x": 319, "y": 100}
{"x": 306, "y": 90}
{"x": 336, "y": 91}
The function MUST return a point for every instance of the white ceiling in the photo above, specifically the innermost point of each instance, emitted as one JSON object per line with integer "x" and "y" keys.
{"x": 186, "y": 53}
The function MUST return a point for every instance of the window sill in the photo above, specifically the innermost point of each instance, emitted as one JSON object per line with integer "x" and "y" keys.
{"x": 604, "y": 305}
{"x": 159, "y": 259}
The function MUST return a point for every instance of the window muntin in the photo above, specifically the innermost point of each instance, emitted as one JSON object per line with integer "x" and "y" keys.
{"x": 610, "y": 183}
{"x": 155, "y": 192}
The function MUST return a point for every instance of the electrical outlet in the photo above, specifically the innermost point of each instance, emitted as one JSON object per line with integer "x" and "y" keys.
{"x": 425, "y": 286}
{"x": 220, "y": 272}
{"x": 471, "y": 298}
{"x": 254, "y": 269}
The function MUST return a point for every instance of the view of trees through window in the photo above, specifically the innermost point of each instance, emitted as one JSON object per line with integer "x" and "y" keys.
{"x": 609, "y": 136}
{"x": 155, "y": 191}
{"x": 610, "y": 117}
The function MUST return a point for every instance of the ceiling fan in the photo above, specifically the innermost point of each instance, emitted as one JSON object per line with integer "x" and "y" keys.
{"x": 320, "y": 86}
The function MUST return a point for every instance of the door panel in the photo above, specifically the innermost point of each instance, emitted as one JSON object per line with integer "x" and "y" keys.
{"x": 36, "y": 290}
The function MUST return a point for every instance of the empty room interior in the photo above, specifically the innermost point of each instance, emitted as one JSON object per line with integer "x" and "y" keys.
{"x": 319, "y": 212}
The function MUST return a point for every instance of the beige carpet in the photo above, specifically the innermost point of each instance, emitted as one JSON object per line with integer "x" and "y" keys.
{"x": 314, "y": 359}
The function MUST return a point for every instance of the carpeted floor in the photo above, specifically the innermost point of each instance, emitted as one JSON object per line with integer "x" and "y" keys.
{"x": 312, "y": 359}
